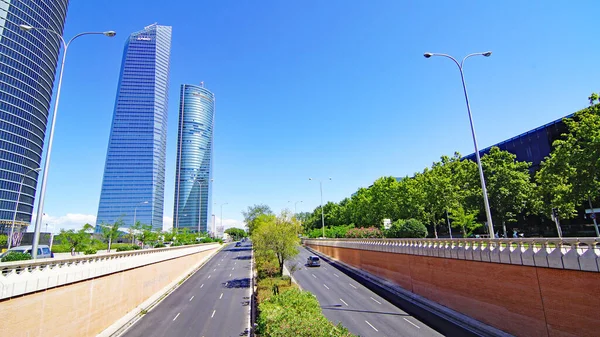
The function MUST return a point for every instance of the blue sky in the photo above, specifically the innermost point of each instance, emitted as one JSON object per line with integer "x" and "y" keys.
{"x": 323, "y": 89}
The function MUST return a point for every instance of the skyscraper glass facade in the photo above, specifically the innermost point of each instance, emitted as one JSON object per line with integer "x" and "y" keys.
{"x": 134, "y": 174}
{"x": 194, "y": 158}
{"x": 27, "y": 70}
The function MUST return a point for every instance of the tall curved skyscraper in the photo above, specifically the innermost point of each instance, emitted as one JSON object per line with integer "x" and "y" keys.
{"x": 27, "y": 70}
{"x": 194, "y": 158}
{"x": 133, "y": 187}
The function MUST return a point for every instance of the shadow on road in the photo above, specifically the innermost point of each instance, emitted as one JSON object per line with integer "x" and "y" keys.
{"x": 237, "y": 283}
{"x": 245, "y": 257}
{"x": 238, "y": 249}
{"x": 338, "y": 307}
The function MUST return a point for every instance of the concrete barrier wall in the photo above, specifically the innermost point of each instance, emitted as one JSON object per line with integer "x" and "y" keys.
{"x": 521, "y": 300}
{"x": 87, "y": 307}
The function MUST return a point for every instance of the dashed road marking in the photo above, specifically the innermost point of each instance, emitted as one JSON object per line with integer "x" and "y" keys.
{"x": 344, "y": 302}
{"x": 220, "y": 297}
{"x": 336, "y": 275}
{"x": 416, "y": 326}
{"x": 176, "y": 316}
{"x": 202, "y": 285}
{"x": 213, "y": 315}
{"x": 375, "y": 300}
{"x": 191, "y": 298}
{"x": 208, "y": 276}
{"x": 314, "y": 275}
{"x": 325, "y": 286}
{"x": 229, "y": 275}
{"x": 371, "y": 325}
{"x": 352, "y": 286}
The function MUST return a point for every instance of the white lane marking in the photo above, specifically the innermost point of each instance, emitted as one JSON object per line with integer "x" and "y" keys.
{"x": 375, "y": 300}
{"x": 220, "y": 297}
{"x": 233, "y": 268}
{"x": 344, "y": 302}
{"x": 416, "y": 326}
{"x": 325, "y": 268}
{"x": 176, "y": 316}
{"x": 191, "y": 298}
{"x": 208, "y": 276}
{"x": 215, "y": 269}
{"x": 218, "y": 264}
{"x": 213, "y": 314}
{"x": 324, "y": 285}
{"x": 235, "y": 263}
{"x": 336, "y": 275}
{"x": 314, "y": 275}
{"x": 202, "y": 285}
{"x": 229, "y": 275}
{"x": 371, "y": 325}
{"x": 352, "y": 286}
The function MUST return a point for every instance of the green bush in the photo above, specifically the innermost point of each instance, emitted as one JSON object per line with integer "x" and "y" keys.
{"x": 176, "y": 244}
{"x": 124, "y": 248}
{"x": 159, "y": 245}
{"x": 295, "y": 313}
{"x": 61, "y": 248}
{"x": 3, "y": 240}
{"x": 16, "y": 256}
{"x": 410, "y": 228}
{"x": 90, "y": 251}
{"x": 136, "y": 247}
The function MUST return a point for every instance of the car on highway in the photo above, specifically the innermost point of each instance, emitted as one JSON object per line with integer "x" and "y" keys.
{"x": 238, "y": 244}
{"x": 313, "y": 261}
{"x": 42, "y": 253}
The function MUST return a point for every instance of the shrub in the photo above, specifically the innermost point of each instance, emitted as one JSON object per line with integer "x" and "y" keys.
{"x": 136, "y": 247}
{"x": 371, "y": 232}
{"x": 16, "y": 256}
{"x": 295, "y": 313}
{"x": 61, "y": 248}
{"x": 3, "y": 240}
{"x": 124, "y": 248}
{"x": 413, "y": 228}
{"x": 90, "y": 251}
{"x": 159, "y": 245}
{"x": 176, "y": 244}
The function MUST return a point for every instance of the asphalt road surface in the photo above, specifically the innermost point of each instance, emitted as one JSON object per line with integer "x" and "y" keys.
{"x": 343, "y": 300}
{"x": 212, "y": 302}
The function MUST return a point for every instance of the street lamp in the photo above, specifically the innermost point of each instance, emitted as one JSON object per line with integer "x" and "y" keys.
{"x": 12, "y": 227}
{"x": 135, "y": 210}
{"x": 322, "y": 210}
{"x": 221, "y": 215}
{"x": 462, "y": 76}
{"x": 40, "y": 207}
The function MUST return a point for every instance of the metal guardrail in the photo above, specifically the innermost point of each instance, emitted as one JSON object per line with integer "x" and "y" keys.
{"x": 566, "y": 253}
{"x": 21, "y": 277}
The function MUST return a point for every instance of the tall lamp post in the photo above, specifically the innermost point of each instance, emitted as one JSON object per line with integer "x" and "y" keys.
{"x": 322, "y": 210}
{"x": 135, "y": 210}
{"x": 40, "y": 206}
{"x": 222, "y": 215}
{"x": 488, "y": 213}
{"x": 12, "y": 227}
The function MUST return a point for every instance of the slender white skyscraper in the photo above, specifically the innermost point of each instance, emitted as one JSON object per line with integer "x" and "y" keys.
{"x": 194, "y": 158}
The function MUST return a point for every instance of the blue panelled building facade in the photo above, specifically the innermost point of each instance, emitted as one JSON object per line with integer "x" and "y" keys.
{"x": 28, "y": 63}
{"x": 193, "y": 177}
{"x": 134, "y": 174}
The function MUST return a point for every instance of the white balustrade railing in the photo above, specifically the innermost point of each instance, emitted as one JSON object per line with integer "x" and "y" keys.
{"x": 21, "y": 277}
{"x": 566, "y": 253}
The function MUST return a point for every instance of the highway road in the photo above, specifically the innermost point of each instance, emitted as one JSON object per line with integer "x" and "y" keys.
{"x": 363, "y": 312}
{"x": 212, "y": 302}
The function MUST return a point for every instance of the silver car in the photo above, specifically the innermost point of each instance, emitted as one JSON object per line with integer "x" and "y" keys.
{"x": 42, "y": 253}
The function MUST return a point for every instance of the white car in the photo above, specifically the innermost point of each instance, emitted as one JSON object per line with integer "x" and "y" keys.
{"x": 42, "y": 253}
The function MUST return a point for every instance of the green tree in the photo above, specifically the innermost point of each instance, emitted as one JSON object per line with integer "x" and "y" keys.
{"x": 76, "y": 240}
{"x": 593, "y": 98}
{"x": 111, "y": 232}
{"x": 253, "y": 213}
{"x": 236, "y": 233}
{"x": 276, "y": 235}
{"x": 3, "y": 240}
{"x": 413, "y": 228}
{"x": 509, "y": 184}
{"x": 572, "y": 171}
{"x": 464, "y": 220}
{"x": 147, "y": 235}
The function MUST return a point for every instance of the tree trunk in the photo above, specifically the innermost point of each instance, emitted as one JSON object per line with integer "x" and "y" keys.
{"x": 109, "y": 242}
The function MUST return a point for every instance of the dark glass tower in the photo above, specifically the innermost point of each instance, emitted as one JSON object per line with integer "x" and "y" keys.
{"x": 27, "y": 70}
{"x": 134, "y": 174}
{"x": 194, "y": 158}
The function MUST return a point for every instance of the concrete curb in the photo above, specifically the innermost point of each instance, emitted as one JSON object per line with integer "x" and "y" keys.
{"x": 457, "y": 318}
{"x": 125, "y": 322}
{"x": 287, "y": 272}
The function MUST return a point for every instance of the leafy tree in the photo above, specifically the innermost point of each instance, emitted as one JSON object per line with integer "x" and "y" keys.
{"x": 464, "y": 220}
{"x": 76, "y": 240}
{"x": 593, "y": 98}
{"x": 111, "y": 233}
{"x": 236, "y": 233}
{"x": 3, "y": 240}
{"x": 413, "y": 228}
{"x": 371, "y": 232}
{"x": 509, "y": 184}
{"x": 253, "y": 213}
{"x": 276, "y": 235}
{"x": 572, "y": 171}
{"x": 147, "y": 235}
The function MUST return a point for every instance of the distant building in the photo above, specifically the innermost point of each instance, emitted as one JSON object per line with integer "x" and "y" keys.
{"x": 532, "y": 146}
{"x": 134, "y": 173}
{"x": 194, "y": 158}
{"x": 27, "y": 70}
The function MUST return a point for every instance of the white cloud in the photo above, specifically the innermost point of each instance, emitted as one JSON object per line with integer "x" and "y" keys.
{"x": 167, "y": 223}
{"x": 69, "y": 221}
{"x": 228, "y": 223}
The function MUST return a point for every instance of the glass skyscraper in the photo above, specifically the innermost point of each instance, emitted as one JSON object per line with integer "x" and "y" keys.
{"x": 134, "y": 174}
{"x": 27, "y": 70}
{"x": 194, "y": 158}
